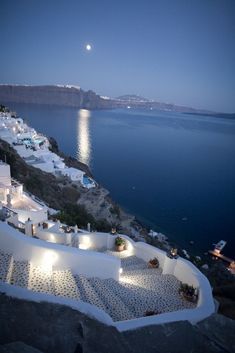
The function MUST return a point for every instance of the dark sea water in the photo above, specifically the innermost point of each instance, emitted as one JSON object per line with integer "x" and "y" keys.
{"x": 175, "y": 172}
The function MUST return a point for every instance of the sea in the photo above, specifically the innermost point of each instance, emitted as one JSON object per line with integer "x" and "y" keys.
{"x": 175, "y": 172}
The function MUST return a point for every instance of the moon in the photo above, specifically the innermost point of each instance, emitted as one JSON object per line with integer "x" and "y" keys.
{"x": 88, "y": 47}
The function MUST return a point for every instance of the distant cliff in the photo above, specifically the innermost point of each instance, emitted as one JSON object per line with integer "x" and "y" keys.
{"x": 53, "y": 95}
{"x": 73, "y": 96}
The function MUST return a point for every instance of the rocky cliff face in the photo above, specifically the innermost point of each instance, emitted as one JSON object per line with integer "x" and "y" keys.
{"x": 72, "y": 96}
{"x": 93, "y": 205}
{"x": 53, "y": 95}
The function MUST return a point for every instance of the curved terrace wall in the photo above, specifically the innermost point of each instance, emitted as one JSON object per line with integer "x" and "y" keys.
{"x": 52, "y": 237}
{"x": 182, "y": 269}
{"x": 38, "y": 252}
{"x": 186, "y": 272}
{"x": 91, "y": 263}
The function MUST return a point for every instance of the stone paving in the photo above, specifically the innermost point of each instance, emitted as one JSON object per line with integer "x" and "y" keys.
{"x": 6, "y": 264}
{"x": 40, "y": 280}
{"x": 139, "y": 290}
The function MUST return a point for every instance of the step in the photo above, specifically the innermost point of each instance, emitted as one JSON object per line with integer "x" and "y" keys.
{"x": 141, "y": 272}
{"x": 116, "y": 308}
{"x": 133, "y": 260}
{"x": 140, "y": 266}
{"x": 120, "y": 254}
{"x": 64, "y": 284}
{"x": 20, "y": 273}
{"x": 40, "y": 280}
{"x": 129, "y": 294}
{"x": 6, "y": 266}
{"x": 87, "y": 292}
{"x": 138, "y": 298}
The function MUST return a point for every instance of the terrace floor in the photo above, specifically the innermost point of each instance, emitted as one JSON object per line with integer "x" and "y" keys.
{"x": 139, "y": 290}
{"x": 26, "y": 204}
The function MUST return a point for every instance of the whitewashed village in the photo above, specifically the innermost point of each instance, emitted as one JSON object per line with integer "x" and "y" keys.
{"x": 108, "y": 276}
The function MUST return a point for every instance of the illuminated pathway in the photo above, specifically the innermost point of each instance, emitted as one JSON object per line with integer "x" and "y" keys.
{"x": 139, "y": 290}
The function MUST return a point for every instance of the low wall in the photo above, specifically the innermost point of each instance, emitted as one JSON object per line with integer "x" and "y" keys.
{"x": 93, "y": 240}
{"x": 83, "y": 307}
{"x": 42, "y": 253}
{"x": 52, "y": 237}
{"x": 99, "y": 240}
{"x": 91, "y": 263}
{"x": 147, "y": 252}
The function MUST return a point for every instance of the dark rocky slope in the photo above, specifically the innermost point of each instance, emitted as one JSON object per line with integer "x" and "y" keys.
{"x": 52, "y": 328}
{"x": 78, "y": 205}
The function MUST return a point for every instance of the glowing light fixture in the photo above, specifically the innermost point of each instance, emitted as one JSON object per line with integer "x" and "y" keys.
{"x": 173, "y": 253}
{"x": 48, "y": 260}
{"x": 85, "y": 243}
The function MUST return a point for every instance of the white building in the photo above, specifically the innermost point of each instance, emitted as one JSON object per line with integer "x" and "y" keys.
{"x": 73, "y": 174}
{"x": 15, "y": 203}
{"x": 34, "y": 148}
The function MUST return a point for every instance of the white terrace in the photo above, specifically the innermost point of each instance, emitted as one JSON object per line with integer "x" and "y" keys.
{"x": 116, "y": 288}
{"x": 15, "y": 204}
{"x": 44, "y": 260}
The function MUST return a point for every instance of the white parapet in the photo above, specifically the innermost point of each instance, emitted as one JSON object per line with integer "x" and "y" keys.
{"x": 182, "y": 269}
{"x": 88, "y": 263}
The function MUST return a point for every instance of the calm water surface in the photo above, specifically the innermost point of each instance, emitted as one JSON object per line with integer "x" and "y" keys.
{"x": 173, "y": 171}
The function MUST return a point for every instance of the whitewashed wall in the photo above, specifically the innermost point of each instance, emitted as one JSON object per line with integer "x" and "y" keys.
{"x": 53, "y": 237}
{"x": 182, "y": 269}
{"x": 37, "y": 251}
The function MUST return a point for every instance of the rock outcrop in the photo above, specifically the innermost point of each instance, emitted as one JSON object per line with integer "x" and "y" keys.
{"x": 54, "y": 328}
{"x": 93, "y": 206}
{"x": 52, "y": 95}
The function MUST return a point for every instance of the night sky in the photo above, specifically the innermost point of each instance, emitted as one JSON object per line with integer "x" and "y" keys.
{"x": 177, "y": 51}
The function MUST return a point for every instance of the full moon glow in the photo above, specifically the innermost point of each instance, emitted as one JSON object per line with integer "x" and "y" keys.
{"x": 88, "y": 47}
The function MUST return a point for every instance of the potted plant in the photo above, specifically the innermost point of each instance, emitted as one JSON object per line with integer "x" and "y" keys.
{"x": 188, "y": 292}
{"x": 119, "y": 243}
{"x": 153, "y": 263}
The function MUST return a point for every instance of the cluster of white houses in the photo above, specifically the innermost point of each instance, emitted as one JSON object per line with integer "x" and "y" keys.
{"x": 42, "y": 260}
{"x": 34, "y": 148}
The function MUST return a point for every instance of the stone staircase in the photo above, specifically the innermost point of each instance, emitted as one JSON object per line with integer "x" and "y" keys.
{"x": 40, "y": 280}
{"x": 140, "y": 289}
{"x": 20, "y": 273}
{"x": 116, "y": 308}
{"x": 6, "y": 266}
{"x": 88, "y": 293}
{"x": 64, "y": 284}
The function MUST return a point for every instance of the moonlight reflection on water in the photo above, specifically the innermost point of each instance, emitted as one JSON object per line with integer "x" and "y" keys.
{"x": 83, "y": 136}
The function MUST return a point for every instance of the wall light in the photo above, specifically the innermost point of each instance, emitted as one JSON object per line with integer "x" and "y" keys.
{"x": 48, "y": 260}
